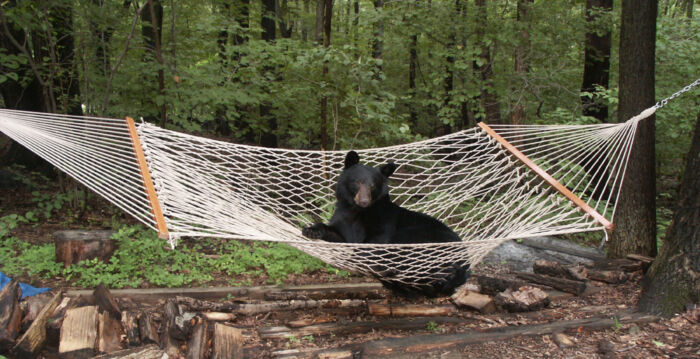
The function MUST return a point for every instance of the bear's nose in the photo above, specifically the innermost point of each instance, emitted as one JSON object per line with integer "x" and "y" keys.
{"x": 364, "y": 202}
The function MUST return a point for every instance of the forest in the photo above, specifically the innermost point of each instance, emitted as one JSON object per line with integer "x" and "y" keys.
{"x": 336, "y": 75}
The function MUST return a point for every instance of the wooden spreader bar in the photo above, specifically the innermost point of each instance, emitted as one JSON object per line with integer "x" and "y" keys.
{"x": 548, "y": 178}
{"x": 147, "y": 181}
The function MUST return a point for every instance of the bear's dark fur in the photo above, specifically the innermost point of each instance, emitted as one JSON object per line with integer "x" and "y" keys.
{"x": 364, "y": 213}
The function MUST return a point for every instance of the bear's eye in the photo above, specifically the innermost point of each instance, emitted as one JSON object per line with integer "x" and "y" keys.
{"x": 371, "y": 185}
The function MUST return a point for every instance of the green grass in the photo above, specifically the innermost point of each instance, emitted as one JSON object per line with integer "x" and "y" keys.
{"x": 144, "y": 259}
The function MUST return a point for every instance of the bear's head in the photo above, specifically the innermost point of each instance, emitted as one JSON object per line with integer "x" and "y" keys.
{"x": 360, "y": 185}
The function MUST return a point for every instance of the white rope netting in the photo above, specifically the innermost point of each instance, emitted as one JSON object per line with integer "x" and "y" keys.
{"x": 466, "y": 179}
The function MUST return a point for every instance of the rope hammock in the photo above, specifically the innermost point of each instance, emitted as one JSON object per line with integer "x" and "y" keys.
{"x": 489, "y": 184}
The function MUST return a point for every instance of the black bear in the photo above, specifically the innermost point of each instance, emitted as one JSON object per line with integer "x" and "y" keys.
{"x": 364, "y": 213}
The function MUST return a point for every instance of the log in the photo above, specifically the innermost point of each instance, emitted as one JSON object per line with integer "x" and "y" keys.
{"x": 10, "y": 314}
{"x": 282, "y": 332}
{"x": 78, "y": 333}
{"x": 619, "y": 264}
{"x": 130, "y": 322}
{"x": 491, "y": 285}
{"x": 562, "y": 247}
{"x": 32, "y": 341}
{"x": 110, "y": 331}
{"x": 371, "y": 290}
{"x": 169, "y": 344}
{"x": 525, "y": 299}
{"x": 566, "y": 285}
{"x": 265, "y": 307}
{"x": 74, "y": 246}
{"x": 147, "y": 352}
{"x": 197, "y": 346}
{"x": 412, "y": 345}
{"x": 218, "y": 316}
{"x": 469, "y": 299}
{"x": 228, "y": 342}
{"x": 105, "y": 300}
{"x": 410, "y": 310}
{"x": 646, "y": 261}
{"x": 32, "y": 306}
{"x": 148, "y": 333}
{"x": 53, "y": 327}
{"x": 554, "y": 269}
{"x": 608, "y": 276}
{"x": 310, "y": 321}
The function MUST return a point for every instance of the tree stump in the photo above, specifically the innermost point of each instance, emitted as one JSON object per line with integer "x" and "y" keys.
{"x": 75, "y": 246}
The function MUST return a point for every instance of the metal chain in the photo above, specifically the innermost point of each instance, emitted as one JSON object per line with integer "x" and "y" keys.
{"x": 663, "y": 102}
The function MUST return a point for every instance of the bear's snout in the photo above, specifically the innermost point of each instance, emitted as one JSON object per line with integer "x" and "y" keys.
{"x": 363, "y": 197}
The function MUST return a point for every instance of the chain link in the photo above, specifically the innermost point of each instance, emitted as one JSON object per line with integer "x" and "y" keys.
{"x": 663, "y": 102}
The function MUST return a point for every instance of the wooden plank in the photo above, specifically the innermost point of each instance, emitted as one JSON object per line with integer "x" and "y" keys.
{"x": 147, "y": 181}
{"x": 412, "y": 345}
{"x": 32, "y": 341}
{"x": 333, "y": 290}
{"x": 228, "y": 342}
{"x": 78, "y": 333}
{"x": 548, "y": 178}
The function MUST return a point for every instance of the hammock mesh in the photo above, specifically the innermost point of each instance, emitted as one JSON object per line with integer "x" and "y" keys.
{"x": 469, "y": 180}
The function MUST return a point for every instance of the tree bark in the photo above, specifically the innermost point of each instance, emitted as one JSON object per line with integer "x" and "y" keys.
{"x": 673, "y": 279}
{"x": 596, "y": 68}
{"x": 268, "y": 138}
{"x": 489, "y": 100}
{"x": 635, "y": 218}
{"x": 521, "y": 65}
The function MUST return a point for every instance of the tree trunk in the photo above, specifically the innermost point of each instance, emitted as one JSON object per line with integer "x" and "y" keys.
{"x": 152, "y": 24}
{"x": 673, "y": 279}
{"x": 412, "y": 65}
{"x": 635, "y": 218}
{"x": 327, "y": 17}
{"x": 489, "y": 100}
{"x": 267, "y": 22}
{"x": 378, "y": 41}
{"x": 596, "y": 69}
{"x": 521, "y": 65}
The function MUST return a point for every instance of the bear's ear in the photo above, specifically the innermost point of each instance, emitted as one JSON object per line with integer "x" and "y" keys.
{"x": 351, "y": 159}
{"x": 388, "y": 169}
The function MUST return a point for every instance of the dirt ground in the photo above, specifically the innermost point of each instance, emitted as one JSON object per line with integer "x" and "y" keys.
{"x": 676, "y": 337}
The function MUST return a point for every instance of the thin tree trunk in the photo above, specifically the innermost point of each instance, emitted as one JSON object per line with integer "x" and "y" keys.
{"x": 596, "y": 70}
{"x": 268, "y": 138}
{"x": 328, "y": 13}
{"x": 489, "y": 100}
{"x": 152, "y": 18}
{"x": 412, "y": 65}
{"x": 673, "y": 280}
{"x": 378, "y": 41}
{"x": 521, "y": 65}
{"x": 635, "y": 218}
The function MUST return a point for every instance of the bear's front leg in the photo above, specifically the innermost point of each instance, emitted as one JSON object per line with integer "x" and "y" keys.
{"x": 323, "y": 232}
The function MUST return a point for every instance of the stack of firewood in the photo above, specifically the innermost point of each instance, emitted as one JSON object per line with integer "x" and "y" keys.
{"x": 533, "y": 291}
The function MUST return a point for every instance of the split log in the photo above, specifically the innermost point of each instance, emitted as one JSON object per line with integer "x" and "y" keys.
{"x": 34, "y": 338}
{"x": 32, "y": 306}
{"x": 130, "y": 322}
{"x": 467, "y": 298}
{"x": 73, "y": 246}
{"x": 554, "y": 269}
{"x": 167, "y": 339}
{"x": 148, "y": 333}
{"x": 423, "y": 343}
{"x": 491, "y": 285}
{"x": 105, "y": 300}
{"x": 566, "y": 285}
{"x": 147, "y": 352}
{"x": 562, "y": 340}
{"x": 78, "y": 333}
{"x": 197, "y": 346}
{"x": 228, "y": 342}
{"x": 53, "y": 327}
{"x": 283, "y": 332}
{"x": 110, "y": 331}
{"x": 218, "y": 316}
{"x": 10, "y": 314}
{"x": 525, "y": 299}
{"x": 410, "y": 310}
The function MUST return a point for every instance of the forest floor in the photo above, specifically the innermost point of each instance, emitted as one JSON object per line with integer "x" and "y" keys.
{"x": 676, "y": 337}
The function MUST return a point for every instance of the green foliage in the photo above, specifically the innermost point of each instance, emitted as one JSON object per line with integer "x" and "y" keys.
{"x": 433, "y": 327}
